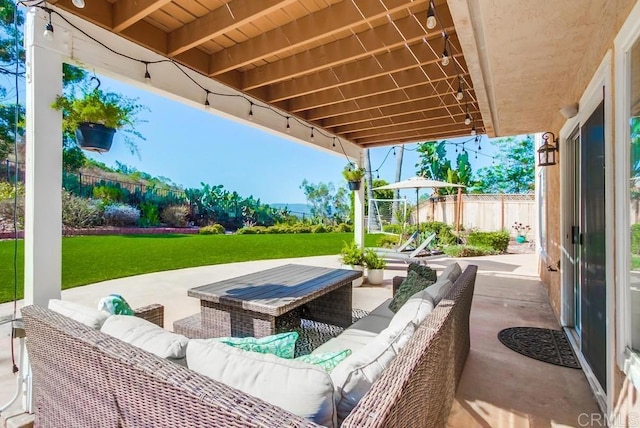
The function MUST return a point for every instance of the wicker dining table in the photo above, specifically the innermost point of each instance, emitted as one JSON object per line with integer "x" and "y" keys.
{"x": 271, "y": 301}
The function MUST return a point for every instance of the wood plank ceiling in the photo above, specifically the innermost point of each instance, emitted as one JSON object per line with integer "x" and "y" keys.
{"x": 366, "y": 70}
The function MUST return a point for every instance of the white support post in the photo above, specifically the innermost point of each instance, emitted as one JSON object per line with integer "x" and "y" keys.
{"x": 43, "y": 183}
{"x": 358, "y": 215}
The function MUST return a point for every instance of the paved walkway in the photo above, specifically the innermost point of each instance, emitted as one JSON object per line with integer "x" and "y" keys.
{"x": 499, "y": 387}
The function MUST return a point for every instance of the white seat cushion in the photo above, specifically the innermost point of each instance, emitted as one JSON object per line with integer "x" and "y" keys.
{"x": 440, "y": 289}
{"x": 451, "y": 272}
{"x": 353, "y": 340}
{"x": 415, "y": 310}
{"x": 81, "y": 313}
{"x": 146, "y": 335}
{"x": 354, "y": 376}
{"x": 383, "y": 310}
{"x": 301, "y": 388}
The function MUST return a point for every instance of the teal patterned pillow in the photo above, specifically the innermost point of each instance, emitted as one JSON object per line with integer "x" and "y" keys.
{"x": 424, "y": 271}
{"x": 326, "y": 360}
{"x": 282, "y": 345}
{"x": 115, "y": 305}
{"x": 410, "y": 286}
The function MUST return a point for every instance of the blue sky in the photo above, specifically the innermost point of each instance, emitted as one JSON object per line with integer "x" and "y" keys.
{"x": 191, "y": 146}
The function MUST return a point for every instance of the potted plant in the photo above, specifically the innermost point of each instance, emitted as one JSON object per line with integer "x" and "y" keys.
{"x": 521, "y": 232}
{"x": 352, "y": 256}
{"x": 353, "y": 176}
{"x": 375, "y": 267}
{"x": 94, "y": 118}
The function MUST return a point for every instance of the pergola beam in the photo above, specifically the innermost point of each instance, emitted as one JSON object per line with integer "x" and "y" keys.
{"x": 411, "y": 137}
{"x": 127, "y": 13}
{"x": 220, "y": 21}
{"x": 447, "y": 123}
{"x": 388, "y": 36}
{"x": 315, "y": 26}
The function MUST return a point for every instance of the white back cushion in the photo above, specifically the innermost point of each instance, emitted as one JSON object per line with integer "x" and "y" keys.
{"x": 81, "y": 313}
{"x": 440, "y": 289}
{"x": 354, "y": 376}
{"x": 451, "y": 272}
{"x": 146, "y": 335}
{"x": 301, "y": 388}
{"x": 415, "y": 310}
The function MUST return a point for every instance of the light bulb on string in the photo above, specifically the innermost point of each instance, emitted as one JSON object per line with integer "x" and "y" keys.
{"x": 467, "y": 118}
{"x": 445, "y": 57}
{"x": 473, "y": 131}
{"x": 147, "y": 76}
{"x": 377, "y": 174}
{"x": 334, "y": 141}
{"x": 207, "y": 105}
{"x": 48, "y": 29}
{"x": 431, "y": 17}
{"x": 250, "y": 111}
{"x": 313, "y": 138}
{"x": 394, "y": 150}
{"x": 288, "y": 126}
{"x": 460, "y": 93}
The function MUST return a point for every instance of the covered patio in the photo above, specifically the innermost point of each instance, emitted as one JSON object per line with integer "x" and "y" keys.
{"x": 347, "y": 75}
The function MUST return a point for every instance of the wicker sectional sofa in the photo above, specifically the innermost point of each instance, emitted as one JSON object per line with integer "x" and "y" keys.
{"x": 83, "y": 377}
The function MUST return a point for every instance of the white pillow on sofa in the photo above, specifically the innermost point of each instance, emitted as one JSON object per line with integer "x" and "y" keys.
{"x": 451, "y": 272}
{"x": 81, "y": 313}
{"x": 440, "y": 289}
{"x": 416, "y": 309}
{"x": 300, "y": 388}
{"x": 354, "y": 376}
{"x": 146, "y": 335}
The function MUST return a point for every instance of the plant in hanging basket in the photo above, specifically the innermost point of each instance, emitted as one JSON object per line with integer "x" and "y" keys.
{"x": 93, "y": 118}
{"x": 353, "y": 176}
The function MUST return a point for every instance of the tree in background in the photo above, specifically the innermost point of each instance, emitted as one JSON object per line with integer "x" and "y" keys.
{"x": 514, "y": 171}
{"x": 433, "y": 164}
{"x": 327, "y": 203}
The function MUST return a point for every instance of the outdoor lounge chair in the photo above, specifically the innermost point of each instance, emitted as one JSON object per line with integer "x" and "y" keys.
{"x": 406, "y": 255}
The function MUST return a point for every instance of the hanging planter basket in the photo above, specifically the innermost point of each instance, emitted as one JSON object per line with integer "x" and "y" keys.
{"x": 354, "y": 185}
{"x": 94, "y": 137}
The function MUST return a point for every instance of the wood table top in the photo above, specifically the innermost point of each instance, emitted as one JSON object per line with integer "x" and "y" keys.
{"x": 276, "y": 290}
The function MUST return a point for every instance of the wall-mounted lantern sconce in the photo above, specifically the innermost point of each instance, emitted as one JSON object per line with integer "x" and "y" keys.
{"x": 547, "y": 152}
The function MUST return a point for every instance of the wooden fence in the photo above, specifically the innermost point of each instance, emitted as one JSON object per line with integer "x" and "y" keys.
{"x": 485, "y": 212}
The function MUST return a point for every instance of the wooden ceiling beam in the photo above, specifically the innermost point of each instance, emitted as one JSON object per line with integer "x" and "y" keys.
{"x": 147, "y": 35}
{"x": 373, "y": 88}
{"x": 438, "y": 114}
{"x": 404, "y": 58}
{"x": 438, "y": 97}
{"x": 309, "y": 28}
{"x": 388, "y": 36}
{"x": 426, "y": 103}
{"x": 99, "y": 12}
{"x": 455, "y": 122}
{"x": 415, "y": 135}
{"x": 127, "y": 12}
{"x": 220, "y": 21}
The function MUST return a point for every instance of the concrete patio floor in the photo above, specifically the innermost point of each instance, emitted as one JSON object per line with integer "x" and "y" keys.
{"x": 499, "y": 387}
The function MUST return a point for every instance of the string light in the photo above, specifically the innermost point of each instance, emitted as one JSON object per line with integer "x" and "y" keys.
{"x": 251, "y": 110}
{"x": 312, "y": 135}
{"x": 445, "y": 54}
{"x": 460, "y": 93}
{"x": 48, "y": 29}
{"x": 207, "y": 105}
{"x": 334, "y": 141}
{"x": 288, "y": 126}
{"x": 467, "y": 118}
{"x": 147, "y": 76}
{"x": 473, "y": 130}
{"x": 431, "y": 16}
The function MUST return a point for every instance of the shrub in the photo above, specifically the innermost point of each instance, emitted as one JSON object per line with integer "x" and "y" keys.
{"x": 212, "y": 229}
{"x": 175, "y": 215}
{"x": 319, "y": 228}
{"x": 499, "y": 241}
{"x": 467, "y": 251}
{"x": 149, "y": 215}
{"x": 344, "y": 228}
{"x": 635, "y": 238}
{"x": 444, "y": 234}
{"x": 373, "y": 261}
{"x": 6, "y": 214}
{"x": 387, "y": 241}
{"x": 393, "y": 228}
{"x": 7, "y": 190}
{"x": 251, "y": 230}
{"x": 301, "y": 228}
{"x": 80, "y": 212}
{"x": 121, "y": 215}
{"x": 108, "y": 194}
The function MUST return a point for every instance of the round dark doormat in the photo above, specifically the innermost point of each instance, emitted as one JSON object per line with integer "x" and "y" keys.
{"x": 550, "y": 346}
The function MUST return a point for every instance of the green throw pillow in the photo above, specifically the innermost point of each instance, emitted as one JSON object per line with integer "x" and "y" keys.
{"x": 115, "y": 305}
{"x": 424, "y": 271}
{"x": 410, "y": 286}
{"x": 282, "y": 345}
{"x": 326, "y": 360}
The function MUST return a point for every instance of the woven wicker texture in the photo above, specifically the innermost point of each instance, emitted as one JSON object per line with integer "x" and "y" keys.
{"x": 84, "y": 378}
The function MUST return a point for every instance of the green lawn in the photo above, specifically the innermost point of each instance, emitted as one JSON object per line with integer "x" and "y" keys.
{"x": 89, "y": 259}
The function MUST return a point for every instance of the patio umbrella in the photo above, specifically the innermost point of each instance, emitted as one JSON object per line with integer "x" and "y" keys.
{"x": 418, "y": 183}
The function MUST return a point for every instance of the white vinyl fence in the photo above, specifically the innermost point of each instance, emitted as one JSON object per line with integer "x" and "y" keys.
{"x": 483, "y": 212}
